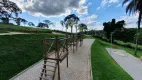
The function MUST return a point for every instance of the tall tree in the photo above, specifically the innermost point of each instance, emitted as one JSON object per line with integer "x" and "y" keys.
{"x": 24, "y": 21}
{"x": 82, "y": 27}
{"x": 71, "y": 20}
{"x": 109, "y": 27}
{"x": 62, "y": 24}
{"x": 135, "y": 6}
{"x": 47, "y": 23}
{"x": 19, "y": 20}
{"x": 31, "y": 24}
{"x": 42, "y": 25}
{"x": 7, "y": 8}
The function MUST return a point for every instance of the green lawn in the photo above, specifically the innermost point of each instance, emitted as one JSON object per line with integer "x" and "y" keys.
{"x": 129, "y": 50}
{"x": 103, "y": 66}
{"x": 17, "y": 52}
{"x": 14, "y": 28}
{"x": 88, "y": 36}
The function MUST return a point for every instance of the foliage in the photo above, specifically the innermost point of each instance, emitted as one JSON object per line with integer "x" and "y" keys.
{"x": 19, "y": 20}
{"x": 14, "y": 28}
{"x": 45, "y": 24}
{"x": 63, "y": 24}
{"x": 129, "y": 47}
{"x": 71, "y": 20}
{"x": 19, "y": 52}
{"x": 109, "y": 27}
{"x": 126, "y": 35}
{"x": 133, "y": 7}
{"x": 103, "y": 66}
{"x": 82, "y": 27}
{"x": 7, "y": 8}
{"x": 31, "y": 24}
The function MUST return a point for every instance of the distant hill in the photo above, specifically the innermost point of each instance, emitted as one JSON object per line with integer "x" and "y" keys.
{"x": 5, "y": 28}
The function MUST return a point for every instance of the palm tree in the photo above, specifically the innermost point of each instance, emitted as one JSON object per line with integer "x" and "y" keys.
{"x": 31, "y": 24}
{"x": 71, "y": 20}
{"x": 62, "y": 24}
{"x": 133, "y": 7}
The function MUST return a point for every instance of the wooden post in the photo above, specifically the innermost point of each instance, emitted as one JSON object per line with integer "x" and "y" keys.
{"x": 80, "y": 39}
{"x": 45, "y": 57}
{"x": 76, "y": 42}
{"x": 57, "y": 51}
{"x": 73, "y": 43}
{"x": 67, "y": 48}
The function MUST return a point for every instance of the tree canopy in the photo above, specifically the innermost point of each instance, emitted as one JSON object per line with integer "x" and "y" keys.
{"x": 7, "y": 8}
{"x": 109, "y": 27}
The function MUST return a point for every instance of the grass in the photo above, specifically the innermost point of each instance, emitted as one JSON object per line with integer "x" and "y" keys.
{"x": 128, "y": 44}
{"x": 103, "y": 66}
{"x": 129, "y": 50}
{"x": 3, "y": 31}
{"x": 14, "y": 28}
{"x": 88, "y": 36}
{"x": 17, "y": 52}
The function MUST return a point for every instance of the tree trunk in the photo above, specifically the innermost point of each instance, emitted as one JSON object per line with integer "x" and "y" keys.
{"x": 139, "y": 22}
{"x": 71, "y": 29}
{"x": 62, "y": 28}
{"x": 76, "y": 29}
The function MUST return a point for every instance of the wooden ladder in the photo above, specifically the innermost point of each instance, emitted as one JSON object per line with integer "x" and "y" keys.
{"x": 48, "y": 70}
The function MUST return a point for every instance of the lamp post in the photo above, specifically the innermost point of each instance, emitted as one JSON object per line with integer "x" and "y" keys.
{"x": 111, "y": 41}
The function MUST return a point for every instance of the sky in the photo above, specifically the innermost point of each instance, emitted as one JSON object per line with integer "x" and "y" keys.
{"x": 91, "y": 12}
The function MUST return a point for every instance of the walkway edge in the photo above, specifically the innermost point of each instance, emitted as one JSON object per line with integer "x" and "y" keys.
{"x": 25, "y": 70}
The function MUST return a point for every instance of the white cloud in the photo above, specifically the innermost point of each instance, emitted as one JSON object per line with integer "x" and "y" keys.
{"x": 98, "y": 8}
{"x": 91, "y": 22}
{"x": 131, "y": 21}
{"x": 83, "y": 10}
{"x": 119, "y": 5}
{"x": 89, "y": 3}
{"x": 126, "y": 4}
{"x": 113, "y": 1}
{"x": 104, "y": 2}
{"x": 108, "y": 2}
{"x": 52, "y": 7}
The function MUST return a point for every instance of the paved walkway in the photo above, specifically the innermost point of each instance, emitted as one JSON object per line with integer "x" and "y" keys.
{"x": 12, "y": 33}
{"x": 79, "y": 66}
{"x": 131, "y": 64}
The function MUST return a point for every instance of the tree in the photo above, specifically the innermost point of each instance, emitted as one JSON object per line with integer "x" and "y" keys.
{"x": 82, "y": 27}
{"x": 109, "y": 27}
{"x": 62, "y": 24}
{"x": 133, "y": 7}
{"x": 7, "y": 8}
{"x": 42, "y": 25}
{"x": 71, "y": 20}
{"x": 31, "y": 24}
{"x": 19, "y": 20}
{"x": 47, "y": 23}
{"x": 24, "y": 21}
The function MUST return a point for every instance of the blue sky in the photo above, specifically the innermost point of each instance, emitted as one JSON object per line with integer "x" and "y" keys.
{"x": 91, "y": 12}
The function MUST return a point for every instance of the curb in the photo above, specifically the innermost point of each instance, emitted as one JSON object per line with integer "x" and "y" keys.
{"x": 25, "y": 70}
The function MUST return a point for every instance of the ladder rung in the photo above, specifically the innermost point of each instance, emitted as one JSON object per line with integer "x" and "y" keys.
{"x": 50, "y": 61}
{"x": 49, "y": 65}
{"x": 44, "y": 78}
{"x": 48, "y": 70}
{"x": 46, "y": 74}
{"x": 52, "y": 58}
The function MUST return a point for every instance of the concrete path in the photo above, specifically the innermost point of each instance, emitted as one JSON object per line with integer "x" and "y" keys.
{"x": 12, "y": 33}
{"x": 79, "y": 66}
{"x": 131, "y": 64}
